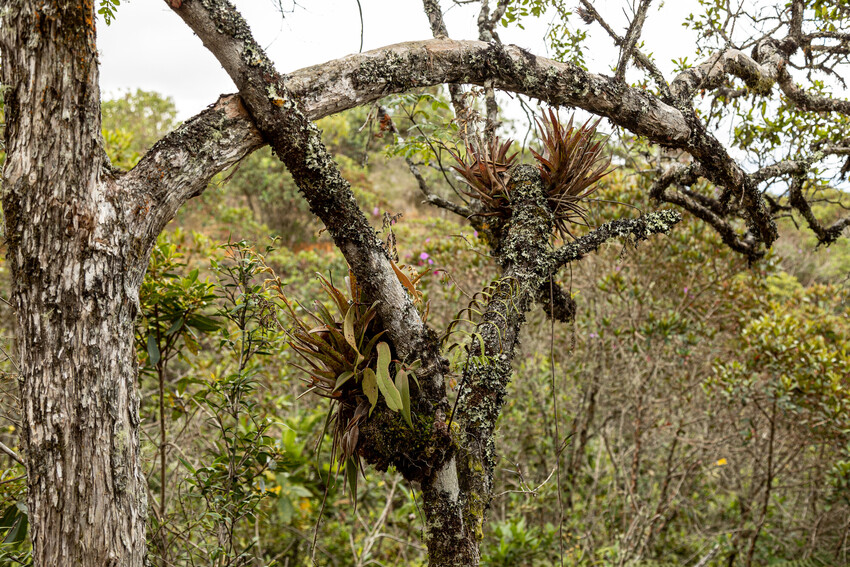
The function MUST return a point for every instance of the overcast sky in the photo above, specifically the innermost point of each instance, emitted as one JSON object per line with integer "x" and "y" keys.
{"x": 149, "y": 47}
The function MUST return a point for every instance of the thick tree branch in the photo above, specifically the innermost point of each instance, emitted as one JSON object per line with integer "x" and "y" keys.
{"x": 556, "y": 302}
{"x": 811, "y": 101}
{"x": 181, "y": 165}
{"x": 784, "y": 167}
{"x": 524, "y": 257}
{"x": 362, "y": 78}
{"x": 759, "y": 72}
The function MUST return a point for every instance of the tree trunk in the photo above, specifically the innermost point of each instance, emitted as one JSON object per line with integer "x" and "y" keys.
{"x": 77, "y": 267}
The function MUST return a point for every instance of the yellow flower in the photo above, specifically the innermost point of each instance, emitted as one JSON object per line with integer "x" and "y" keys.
{"x": 721, "y": 462}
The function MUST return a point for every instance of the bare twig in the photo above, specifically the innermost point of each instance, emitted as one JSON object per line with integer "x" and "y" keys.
{"x": 10, "y": 453}
{"x": 631, "y": 39}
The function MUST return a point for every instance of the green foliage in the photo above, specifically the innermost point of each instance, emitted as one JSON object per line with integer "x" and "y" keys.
{"x": 424, "y": 125}
{"x": 566, "y": 41}
{"x": 347, "y": 363}
{"x": 108, "y": 9}
{"x": 232, "y": 480}
{"x": 15, "y": 547}
{"x": 519, "y": 544}
{"x": 174, "y": 307}
{"x": 797, "y": 353}
{"x": 133, "y": 122}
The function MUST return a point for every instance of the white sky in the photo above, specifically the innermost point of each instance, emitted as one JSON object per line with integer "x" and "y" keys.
{"x": 149, "y": 47}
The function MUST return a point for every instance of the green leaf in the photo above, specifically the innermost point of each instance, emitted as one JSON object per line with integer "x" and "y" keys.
{"x": 202, "y": 323}
{"x": 342, "y": 379}
{"x": 348, "y": 329}
{"x": 388, "y": 389}
{"x": 178, "y": 323}
{"x": 370, "y": 387}
{"x": 351, "y": 477}
{"x": 403, "y": 385}
{"x": 18, "y": 521}
{"x": 153, "y": 350}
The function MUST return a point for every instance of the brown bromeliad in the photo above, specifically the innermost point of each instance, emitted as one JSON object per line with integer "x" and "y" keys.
{"x": 571, "y": 161}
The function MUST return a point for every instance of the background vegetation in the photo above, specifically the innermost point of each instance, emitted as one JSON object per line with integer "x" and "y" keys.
{"x": 702, "y": 403}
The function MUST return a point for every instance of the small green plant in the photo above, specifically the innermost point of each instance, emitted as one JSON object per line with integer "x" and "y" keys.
{"x": 231, "y": 479}
{"x": 348, "y": 363}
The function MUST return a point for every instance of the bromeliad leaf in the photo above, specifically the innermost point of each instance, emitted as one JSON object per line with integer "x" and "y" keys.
{"x": 348, "y": 329}
{"x": 388, "y": 389}
{"x": 403, "y": 386}
{"x": 370, "y": 387}
{"x": 342, "y": 379}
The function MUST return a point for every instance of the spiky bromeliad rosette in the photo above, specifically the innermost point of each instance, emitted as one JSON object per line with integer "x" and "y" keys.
{"x": 346, "y": 361}
{"x": 571, "y": 161}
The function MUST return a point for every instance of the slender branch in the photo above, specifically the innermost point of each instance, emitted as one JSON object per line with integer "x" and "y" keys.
{"x": 438, "y": 30}
{"x": 826, "y": 235}
{"x": 636, "y": 229}
{"x": 430, "y": 197}
{"x": 487, "y": 32}
{"x": 434, "y": 199}
{"x": 589, "y": 14}
{"x": 632, "y": 36}
{"x": 10, "y": 453}
{"x": 706, "y": 209}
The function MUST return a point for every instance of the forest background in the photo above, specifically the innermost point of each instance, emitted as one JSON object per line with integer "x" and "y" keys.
{"x": 701, "y": 400}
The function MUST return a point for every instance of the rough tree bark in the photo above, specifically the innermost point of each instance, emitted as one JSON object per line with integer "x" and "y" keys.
{"x": 76, "y": 272}
{"x": 78, "y": 237}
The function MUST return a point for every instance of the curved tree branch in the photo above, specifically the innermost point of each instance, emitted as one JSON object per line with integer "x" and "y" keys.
{"x": 636, "y": 229}
{"x": 181, "y": 164}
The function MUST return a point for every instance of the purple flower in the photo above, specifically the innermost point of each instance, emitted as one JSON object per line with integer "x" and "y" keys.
{"x": 430, "y": 261}
{"x": 424, "y": 256}
{"x": 686, "y": 289}
{"x": 376, "y": 211}
{"x": 475, "y": 233}
{"x": 593, "y": 336}
{"x": 427, "y": 240}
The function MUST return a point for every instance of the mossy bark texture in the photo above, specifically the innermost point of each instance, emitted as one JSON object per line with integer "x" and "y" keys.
{"x": 78, "y": 236}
